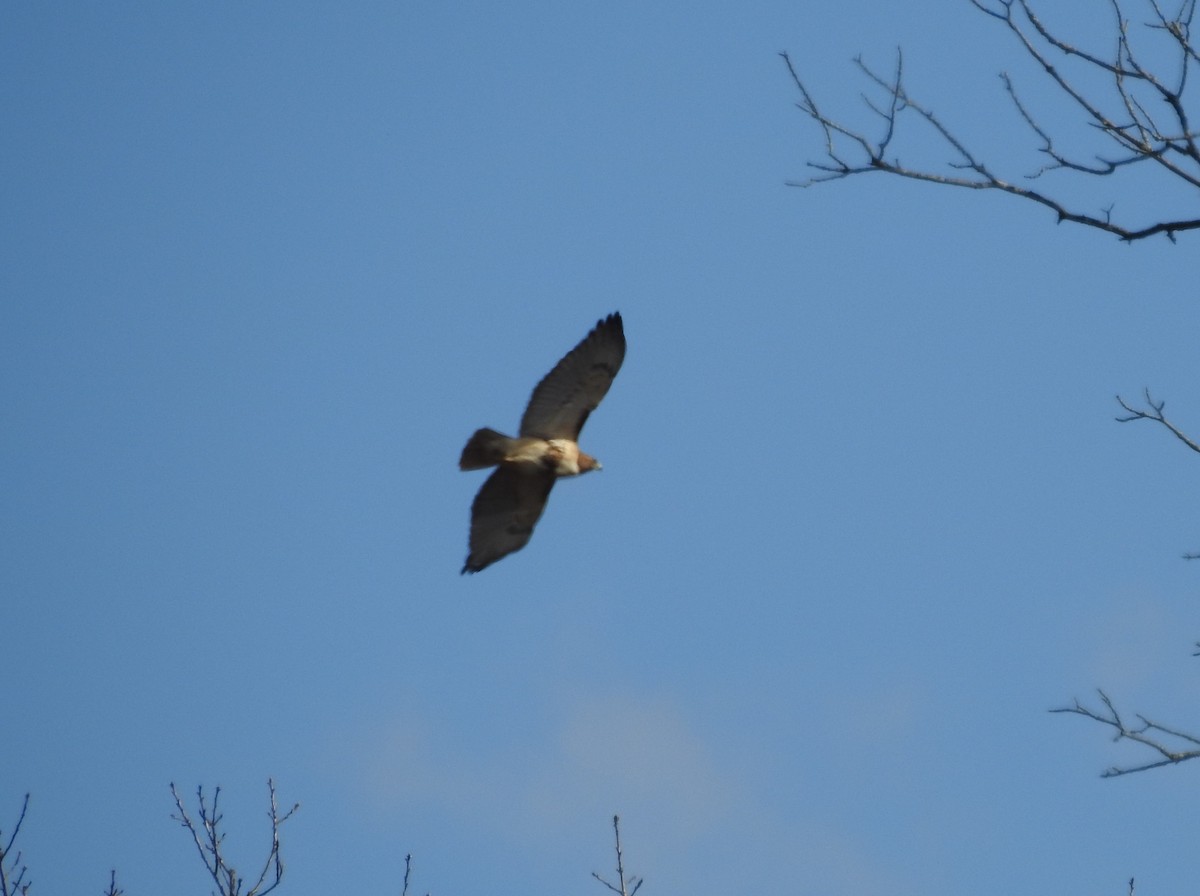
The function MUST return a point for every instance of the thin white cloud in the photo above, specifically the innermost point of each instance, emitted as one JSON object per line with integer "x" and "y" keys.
{"x": 639, "y": 756}
{"x": 632, "y": 753}
{"x": 604, "y": 754}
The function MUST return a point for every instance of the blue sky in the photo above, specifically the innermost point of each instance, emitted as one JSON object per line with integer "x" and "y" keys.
{"x": 865, "y": 514}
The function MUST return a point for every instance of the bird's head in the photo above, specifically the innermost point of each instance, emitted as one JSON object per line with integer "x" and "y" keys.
{"x": 587, "y": 463}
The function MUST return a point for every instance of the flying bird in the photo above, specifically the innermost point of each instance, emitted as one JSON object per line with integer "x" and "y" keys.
{"x": 512, "y": 499}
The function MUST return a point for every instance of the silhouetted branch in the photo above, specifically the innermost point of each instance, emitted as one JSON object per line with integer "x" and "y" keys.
{"x": 12, "y": 870}
{"x": 1146, "y": 733}
{"x": 622, "y": 883}
{"x": 407, "y": 872}
{"x": 1155, "y": 413}
{"x": 113, "y": 890}
{"x": 1166, "y": 141}
{"x": 208, "y": 837}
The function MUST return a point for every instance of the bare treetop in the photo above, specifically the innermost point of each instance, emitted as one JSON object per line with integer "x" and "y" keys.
{"x": 209, "y": 838}
{"x": 1142, "y": 117}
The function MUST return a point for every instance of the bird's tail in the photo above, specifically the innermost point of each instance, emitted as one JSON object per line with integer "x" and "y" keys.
{"x": 484, "y": 449}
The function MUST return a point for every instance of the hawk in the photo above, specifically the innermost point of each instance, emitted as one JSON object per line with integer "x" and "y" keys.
{"x": 512, "y": 499}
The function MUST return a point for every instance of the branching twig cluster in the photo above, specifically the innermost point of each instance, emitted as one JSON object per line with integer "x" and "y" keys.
{"x": 1146, "y": 732}
{"x": 113, "y": 889}
{"x": 13, "y": 872}
{"x": 1155, "y": 413}
{"x": 622, "y": 885}
{"x": 208, "y": 837}
{"x": 1172, "y": 746}
{"x": 1141, "y": 133}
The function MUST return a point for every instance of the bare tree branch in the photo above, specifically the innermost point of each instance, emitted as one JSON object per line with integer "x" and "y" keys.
{"x": 407, "y": 872}
{"x": 620, "y": 887}
{"x": 12, "y": 870}
{"x": 1139, "y": 135}
{"x": 1149, "y": 734}
{"x": 1155, "y": 413}
{"x": 1171, "y": 745}
{"x": 208, "y": 837}
{"x": 113, "y": 889}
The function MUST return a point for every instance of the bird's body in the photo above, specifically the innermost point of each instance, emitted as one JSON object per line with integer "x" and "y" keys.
{"x": 488, "y": 448}
{"x": 512, "y": 499}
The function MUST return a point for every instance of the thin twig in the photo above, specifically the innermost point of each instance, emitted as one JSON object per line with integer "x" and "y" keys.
{"x": 621, "y": 885}
{"x": 228, "y": 882}
{"x": 1156, "y": 414}
{"x": 1171, "y": 145}
{"x": 113, "y": 889}
{"x": 12, "y": 870}
{"x": 1145, "y": 733}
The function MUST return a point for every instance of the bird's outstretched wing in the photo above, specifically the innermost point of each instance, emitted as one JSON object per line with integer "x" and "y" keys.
{"x": 505, "y": 511}
{"x": 566, "y": 395}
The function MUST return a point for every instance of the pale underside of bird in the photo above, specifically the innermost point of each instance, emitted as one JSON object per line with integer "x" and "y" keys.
{"x": 546, "y": 447}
